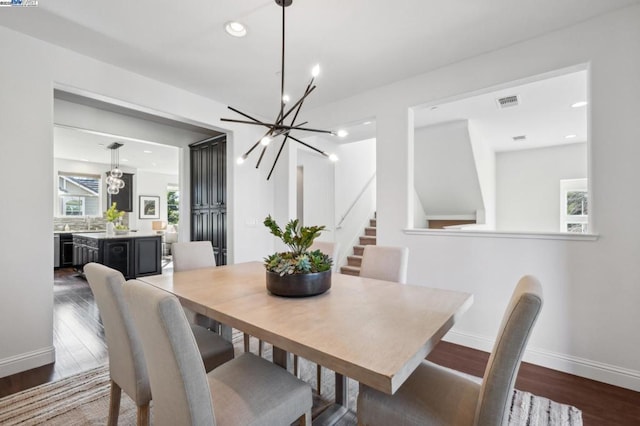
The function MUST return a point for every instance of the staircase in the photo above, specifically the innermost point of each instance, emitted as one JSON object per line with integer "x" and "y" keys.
{"x": 354, "y": 261}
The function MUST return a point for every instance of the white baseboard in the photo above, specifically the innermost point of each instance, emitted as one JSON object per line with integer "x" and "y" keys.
{"x": 27, "y": 361}
{"x": 606, "y": 373}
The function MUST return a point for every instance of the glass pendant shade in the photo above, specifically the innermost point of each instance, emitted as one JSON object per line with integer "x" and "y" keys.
{"x": 113, "y": 180}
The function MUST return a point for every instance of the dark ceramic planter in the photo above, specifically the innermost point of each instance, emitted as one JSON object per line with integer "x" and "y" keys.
{"x": 298, "y": 285}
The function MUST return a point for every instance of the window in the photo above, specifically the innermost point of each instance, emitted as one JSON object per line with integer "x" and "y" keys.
{"x": 78, "y": 195}
{"x": 574, "y": 206}
{"x": 173, "y": 203}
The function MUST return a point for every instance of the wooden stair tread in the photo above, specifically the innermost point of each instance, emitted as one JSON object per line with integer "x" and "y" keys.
{"x": 350, "y": 270}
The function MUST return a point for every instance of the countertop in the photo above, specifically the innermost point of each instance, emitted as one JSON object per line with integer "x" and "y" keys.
{"x": 79, "y": 231}
{"x": 104, "y": 236}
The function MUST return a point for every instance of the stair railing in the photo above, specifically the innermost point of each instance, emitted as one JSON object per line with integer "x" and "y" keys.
{"x": 353, "y": 204}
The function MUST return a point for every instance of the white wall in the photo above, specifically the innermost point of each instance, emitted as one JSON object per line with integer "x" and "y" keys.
{"x": 318, "y": 192}
{"x": 30, "y": 71}
{"x": 85, "y": 117}
{"x": 445, "y": 173}
{"x": 153, "y": 184}
{"x": 528, "y": 185}
{"x": 485, "y": 160}
{"x": 588, "y": 324}
{"x": 354, "y": 171}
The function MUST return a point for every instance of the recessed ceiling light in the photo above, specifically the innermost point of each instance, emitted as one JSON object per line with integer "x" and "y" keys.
{"x": 342, "y": 133}
{"x": 147, "y": 151}
{"x": 235, "y": 29}
{"x": 570, "y": 136}
{"x": 366, "y": 123}
{"x": 579, "y": 104}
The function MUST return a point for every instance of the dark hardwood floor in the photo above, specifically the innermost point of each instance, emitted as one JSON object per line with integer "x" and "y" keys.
{"x": 79, "y": 342}
{"x": 78, "y": 335}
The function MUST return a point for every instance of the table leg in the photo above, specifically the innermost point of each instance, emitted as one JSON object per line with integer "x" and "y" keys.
{"x": 226, "y": 332}
{"x": 341, "y": 390}
{"x": 280, "y": 357}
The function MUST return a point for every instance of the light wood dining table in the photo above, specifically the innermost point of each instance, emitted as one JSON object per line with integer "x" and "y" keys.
{"x": 375, "y": 332}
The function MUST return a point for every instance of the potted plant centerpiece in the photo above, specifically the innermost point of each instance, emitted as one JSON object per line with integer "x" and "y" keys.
{"x": 297, "y": 272}
{"x": 114, "y": 221}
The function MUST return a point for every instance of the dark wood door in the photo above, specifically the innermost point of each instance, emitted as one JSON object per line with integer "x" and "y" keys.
{"x": 209, "y": 194}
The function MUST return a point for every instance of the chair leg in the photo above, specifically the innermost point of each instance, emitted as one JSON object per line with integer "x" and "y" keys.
{"x": 260, "y": 347}
{"x": 319, "y": 377}
{"x": 295, "y": 366}
{"x": 114, "y": 404}
{"x": 305, "y": 419}
{"x": 143, "y": 415}
{"x": 246, "y": 342}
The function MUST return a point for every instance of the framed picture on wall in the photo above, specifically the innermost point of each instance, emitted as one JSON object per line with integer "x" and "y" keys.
{"x": 149, "y": 207}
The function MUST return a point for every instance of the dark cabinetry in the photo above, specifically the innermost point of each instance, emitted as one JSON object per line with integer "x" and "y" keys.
{"x": 124, "y": 198}
{"x": 66, "y": 250}
{"x": 134, "y": 257}
{"x": 209, "y": 195}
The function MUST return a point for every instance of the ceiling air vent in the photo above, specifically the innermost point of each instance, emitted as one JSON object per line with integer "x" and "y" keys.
{"x": 519, "y": 138}
{"x": 508, "y": 101}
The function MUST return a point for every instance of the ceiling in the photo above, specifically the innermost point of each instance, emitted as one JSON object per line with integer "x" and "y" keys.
{"x": 81, "y": 145}
{"x": 544, "y": 114}
{"x": 360, "y": 44}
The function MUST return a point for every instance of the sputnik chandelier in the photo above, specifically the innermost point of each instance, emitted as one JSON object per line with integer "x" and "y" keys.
{"x": 279, "y": 127}
{"x": 114, "y": 179}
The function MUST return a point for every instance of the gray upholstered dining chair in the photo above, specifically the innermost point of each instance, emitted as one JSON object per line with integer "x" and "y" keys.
{"x": 192, "y": 255}
{"x": 199, "y": 255}
{"x": 385, "y": 263}
{"x": 248, "y": 390}
{"x": 438, "y": 395}
{"x": 126, "y": 363}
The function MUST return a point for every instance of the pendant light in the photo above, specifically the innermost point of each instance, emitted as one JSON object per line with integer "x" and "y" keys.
{"x": 278, "y": 127}
{"x": 114, "y": 179}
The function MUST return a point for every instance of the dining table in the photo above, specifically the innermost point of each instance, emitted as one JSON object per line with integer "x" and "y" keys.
{"x": 375, "y": 332}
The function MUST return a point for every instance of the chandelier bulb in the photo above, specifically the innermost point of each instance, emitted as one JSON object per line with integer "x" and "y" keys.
{"x": 265, "y": 140}
{"x": 241, "y": 159}
{"x": 286, "y": 99}
{"x": 315, "y": 71}
{"x": 333, "y": 157}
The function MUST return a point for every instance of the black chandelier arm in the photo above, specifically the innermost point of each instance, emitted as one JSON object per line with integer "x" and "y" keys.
{"x": 300, "y": 101}
{"x": 264, "y": 149}
{"x": 278, "y": 156}
{"x": 277, "y": 126}
{"x": 259, "y": 123}
{"x": 244, "y": 115}
{"x": 309, "y": 146}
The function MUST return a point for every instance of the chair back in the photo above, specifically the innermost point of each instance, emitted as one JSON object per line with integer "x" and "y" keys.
{"x": 500, "y": 375}
{"x": 385, "y": 263}
{"x": 179, "y": 384}
{"x": 328, "y": 248}
{"x": 192, "y": 255}
{"x": 126, "y": 361}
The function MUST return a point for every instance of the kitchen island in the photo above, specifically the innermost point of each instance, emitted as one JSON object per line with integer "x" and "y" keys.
{"x": 135, "y": 254}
